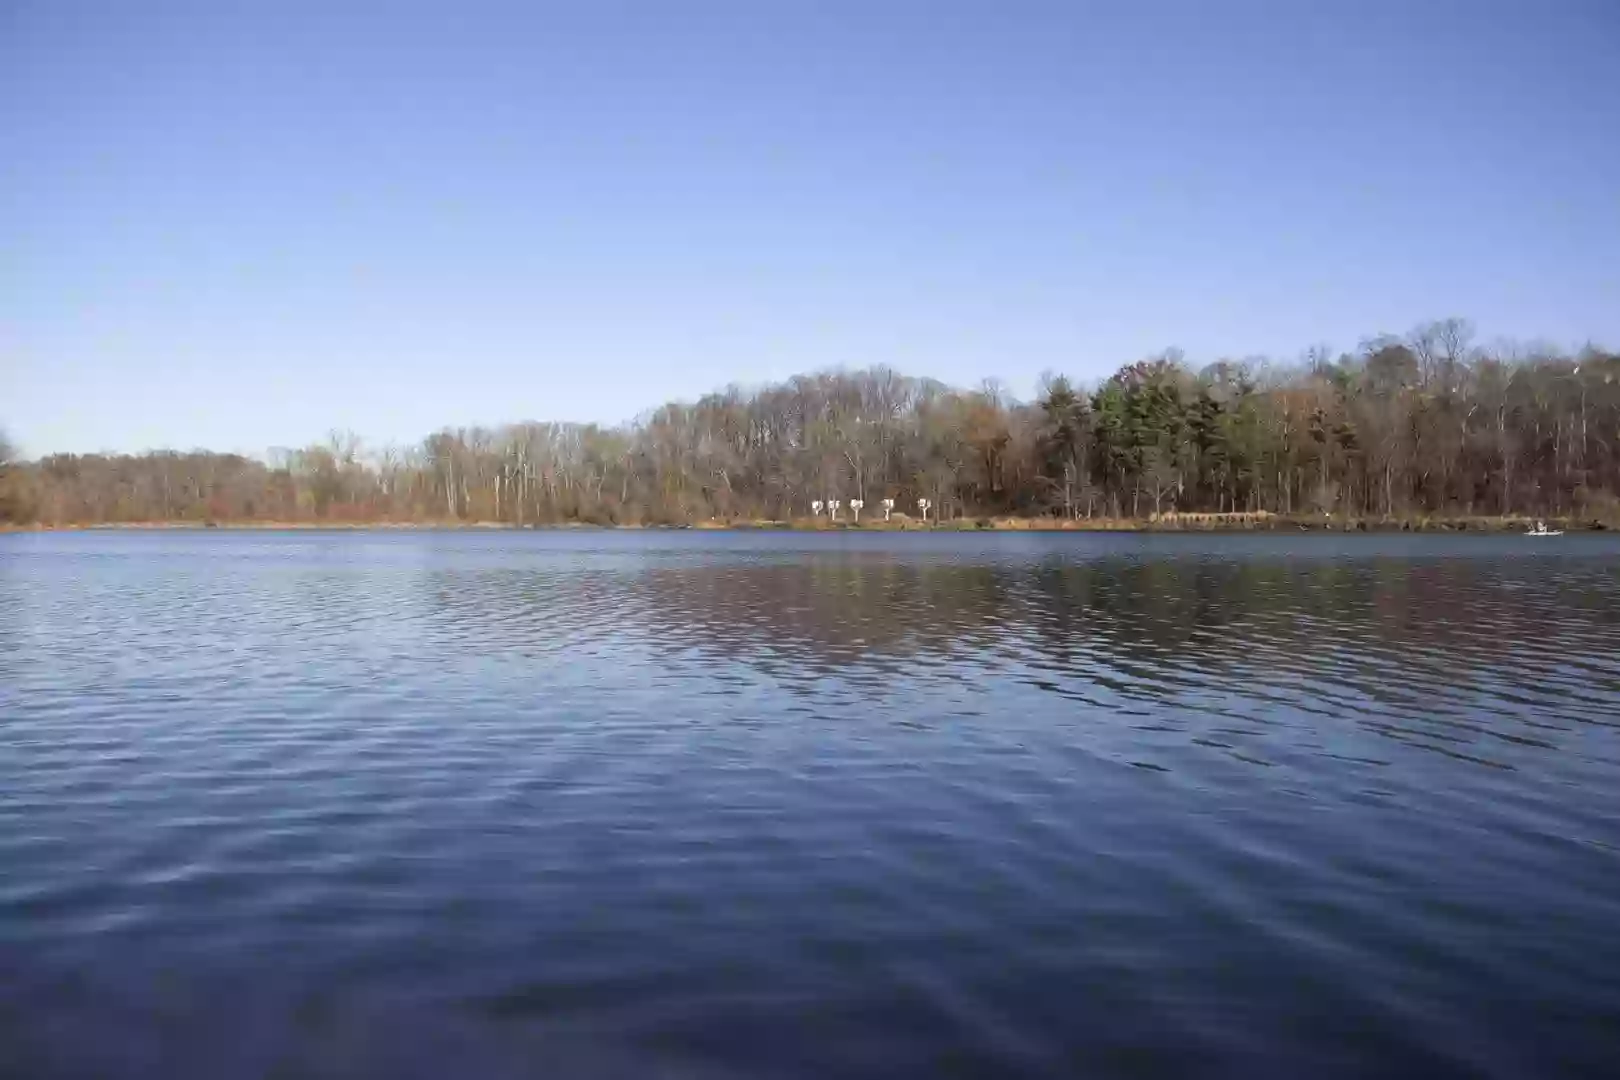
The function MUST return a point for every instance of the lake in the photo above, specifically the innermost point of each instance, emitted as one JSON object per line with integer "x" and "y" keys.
{"x": 808, "y": 805}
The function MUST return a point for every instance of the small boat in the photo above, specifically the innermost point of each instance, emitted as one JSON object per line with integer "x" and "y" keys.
{"x": 1542, "y": 530}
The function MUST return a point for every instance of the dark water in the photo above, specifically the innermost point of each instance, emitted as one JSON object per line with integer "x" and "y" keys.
{"x": 731, "y": 805}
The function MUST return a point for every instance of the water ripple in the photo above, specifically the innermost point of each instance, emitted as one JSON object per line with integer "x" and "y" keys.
{"x": 690, "y": 805}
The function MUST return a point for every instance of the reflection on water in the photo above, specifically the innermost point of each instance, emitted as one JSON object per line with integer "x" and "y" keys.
{"x": 809, "y": 805}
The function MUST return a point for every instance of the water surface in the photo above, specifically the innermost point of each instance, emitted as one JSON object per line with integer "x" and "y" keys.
{"x": 675, "y": 804}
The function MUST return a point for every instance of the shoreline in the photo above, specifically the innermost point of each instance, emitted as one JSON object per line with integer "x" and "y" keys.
{"x": 1202, "y": 523}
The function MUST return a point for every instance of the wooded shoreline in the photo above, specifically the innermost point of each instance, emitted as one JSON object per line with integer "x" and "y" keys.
{"x": 1425, "y": 428}
{"x": 1164, "y": 524}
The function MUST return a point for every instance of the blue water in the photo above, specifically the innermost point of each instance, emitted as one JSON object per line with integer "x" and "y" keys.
{"x": 692, "y": 804}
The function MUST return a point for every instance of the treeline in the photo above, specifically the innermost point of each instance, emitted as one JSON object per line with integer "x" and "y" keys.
{"x": 1424, "y": 424}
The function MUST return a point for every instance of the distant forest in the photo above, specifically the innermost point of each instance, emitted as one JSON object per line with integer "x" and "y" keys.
{"x": 1427, "y": 424}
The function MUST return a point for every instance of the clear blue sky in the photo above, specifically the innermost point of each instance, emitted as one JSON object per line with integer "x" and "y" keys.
{"x": 239, "y": 225}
